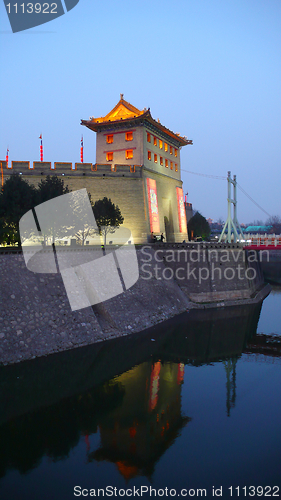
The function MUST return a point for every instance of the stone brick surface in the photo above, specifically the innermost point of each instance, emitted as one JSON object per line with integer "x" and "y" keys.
{"x": 36, "y": 318}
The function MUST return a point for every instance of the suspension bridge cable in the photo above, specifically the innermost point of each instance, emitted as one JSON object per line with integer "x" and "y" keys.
{"x": 250, "y": 198}
{"x": 220, "y": 177}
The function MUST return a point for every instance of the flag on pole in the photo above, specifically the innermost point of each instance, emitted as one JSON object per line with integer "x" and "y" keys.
{"x": 82, "y": 146}
{"x": 2, "y": 175}
{"x": 41, "y": 148}
{"x": 7, "y": 158}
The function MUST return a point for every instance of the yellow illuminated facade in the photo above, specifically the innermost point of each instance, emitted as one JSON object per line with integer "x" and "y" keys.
{"x": 128, "y": 136}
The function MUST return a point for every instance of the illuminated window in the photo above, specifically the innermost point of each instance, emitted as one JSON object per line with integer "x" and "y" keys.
{"x": 129, "y": 136}
{"x": 109, "y": 139}
{"x": 129, "y": 154}
{"x": 176, "y": 167}
{"x": 132, "y": 168}
{"x": 109, "y": 156}
{"x": 171, "y": 165}
{"x": 155, "y": 158}
{"x": 154, "y": 141}
{"x": 176, "y": 153}
{"x": 148, "y": 137}
{"x": 166, "y": 146}
{"x": 149, "y": 155}
{"x": 171, "y": 150}
{"x": 113, "y": 168}
{"x": 160, "y": 144}
{"x": 166, "y": 163}
{"x": 161, "y": 160}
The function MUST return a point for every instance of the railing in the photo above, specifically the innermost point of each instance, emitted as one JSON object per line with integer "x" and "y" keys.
{"x": 263, "y": 241}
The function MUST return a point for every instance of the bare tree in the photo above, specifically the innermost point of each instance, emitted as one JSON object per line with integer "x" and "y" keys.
{"x": 275, "y": 222}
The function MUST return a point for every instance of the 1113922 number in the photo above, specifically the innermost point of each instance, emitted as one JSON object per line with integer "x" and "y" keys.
{"x": 30, "y": 8}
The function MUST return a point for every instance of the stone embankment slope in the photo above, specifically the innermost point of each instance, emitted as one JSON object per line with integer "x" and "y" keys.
{"x": 36, "y": 318}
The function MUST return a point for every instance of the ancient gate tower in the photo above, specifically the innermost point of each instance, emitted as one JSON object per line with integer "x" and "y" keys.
{"x": 138, "y": 167}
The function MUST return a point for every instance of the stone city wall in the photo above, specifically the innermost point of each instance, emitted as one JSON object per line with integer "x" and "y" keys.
{"x": 210, "y": 273}
{"x": 123, "y": 187}
{"x": 36, "y": 318}
{"x": 126, "y": 187}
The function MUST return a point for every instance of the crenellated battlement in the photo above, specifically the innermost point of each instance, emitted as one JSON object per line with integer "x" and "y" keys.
{"x": 37, "y": 168}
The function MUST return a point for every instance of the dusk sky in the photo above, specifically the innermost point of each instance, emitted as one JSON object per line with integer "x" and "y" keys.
{"x": 208, "y": 69}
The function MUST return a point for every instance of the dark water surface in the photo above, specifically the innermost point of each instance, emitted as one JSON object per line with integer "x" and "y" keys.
{"x": 194, "y": 404}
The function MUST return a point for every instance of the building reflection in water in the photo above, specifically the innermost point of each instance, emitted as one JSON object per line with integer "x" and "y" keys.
{"x": 136, "y": 433}
{"x": 128, "y": 390}
{"x": 230, "y": 369}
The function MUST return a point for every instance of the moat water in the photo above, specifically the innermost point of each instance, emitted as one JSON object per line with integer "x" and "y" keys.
{"x": 191, "y": 408}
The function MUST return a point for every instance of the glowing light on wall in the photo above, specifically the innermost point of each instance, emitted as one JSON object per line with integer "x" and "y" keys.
{"x": 181, "y": 211}
{"x": 153, "y": 206}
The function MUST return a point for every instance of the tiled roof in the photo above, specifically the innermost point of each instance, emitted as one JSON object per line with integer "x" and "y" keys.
{"x": 123, "y": 114}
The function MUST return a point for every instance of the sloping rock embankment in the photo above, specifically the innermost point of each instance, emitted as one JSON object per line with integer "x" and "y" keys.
{"x": 36, "y": 318}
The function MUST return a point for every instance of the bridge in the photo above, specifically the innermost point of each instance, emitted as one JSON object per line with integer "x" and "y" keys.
{"x": 263, "y": 242}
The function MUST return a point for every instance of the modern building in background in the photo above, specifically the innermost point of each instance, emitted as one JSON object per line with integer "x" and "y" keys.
{"x": 188, "y": 211}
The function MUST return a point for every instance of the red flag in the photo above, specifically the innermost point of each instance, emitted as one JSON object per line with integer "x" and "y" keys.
{"x": 7, "y": 158}
{"x": 81, "y": 150}
{"x": 41, "y": 148}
